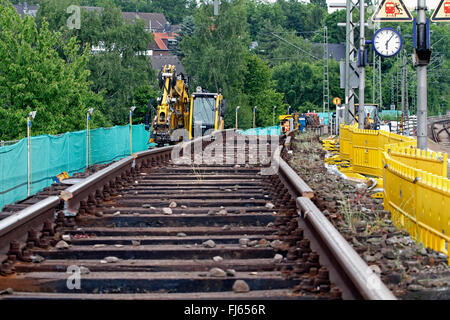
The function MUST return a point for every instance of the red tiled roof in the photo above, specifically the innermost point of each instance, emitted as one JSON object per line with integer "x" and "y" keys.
{"x": 160, "y": 36}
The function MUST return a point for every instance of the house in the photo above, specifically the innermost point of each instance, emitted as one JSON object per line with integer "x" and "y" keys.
{"x": 26, "y": 9}
{"x": 159, "y": 61}
{"x": 155, "y": 22}
{"x": 164, "y": 33}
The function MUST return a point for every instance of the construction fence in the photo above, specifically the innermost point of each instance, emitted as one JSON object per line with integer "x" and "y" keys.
{"x": 51, "y": 155}
{"x": 268, "y": 131}
{"x": 416, "y": 187}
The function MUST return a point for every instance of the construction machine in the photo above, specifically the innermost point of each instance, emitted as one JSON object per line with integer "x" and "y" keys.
{"x": 207, "y": 111}
{"x": 176, "y": 110}
{"x": 173, "y": 106}
{"x": 372, "y": 118}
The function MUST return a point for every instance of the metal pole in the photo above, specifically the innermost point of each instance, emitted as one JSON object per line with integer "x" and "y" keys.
{"x": 422, "y": 136}
{"x": 131, "y": 132}
{"x": 87, "y": 140}
{"x": 289, "y": 110}
{"x": 28, "y": 156}
{"x": 349, "y": 54}
{"x": 362, "y": 73}
{"x": 273, "y": 122}
{"x": 347, "y": 61}
{"x": 237, "y": 108}
{"x": 254, "y": 116}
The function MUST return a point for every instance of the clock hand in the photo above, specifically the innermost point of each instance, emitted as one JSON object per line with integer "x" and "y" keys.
{"x": 387, "y": 42}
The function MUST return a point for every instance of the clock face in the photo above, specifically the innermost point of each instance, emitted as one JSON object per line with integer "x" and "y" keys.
{"x": 387, "y": 42}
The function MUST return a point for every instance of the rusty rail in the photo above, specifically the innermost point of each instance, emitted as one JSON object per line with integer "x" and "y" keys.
{"x": 355, "y": 279}
{"x": 352, "y": 274}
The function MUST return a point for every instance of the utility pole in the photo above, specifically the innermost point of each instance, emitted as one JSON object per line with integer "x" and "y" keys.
{"x": 362, "y": 71}
{"x": 326, "y": 79}
{"x": 349, "y": 57}
{"x": 422, "y": 59}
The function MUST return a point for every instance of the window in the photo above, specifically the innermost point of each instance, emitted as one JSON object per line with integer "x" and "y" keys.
{"x": 204, "y": 111}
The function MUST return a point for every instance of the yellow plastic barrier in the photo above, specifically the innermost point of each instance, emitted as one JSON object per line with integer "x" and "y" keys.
{"x": 364, "y": 148}
{"x": 419, "y": 202}
{"x": 432, "y": 162}
{"x": 416, "y": 188}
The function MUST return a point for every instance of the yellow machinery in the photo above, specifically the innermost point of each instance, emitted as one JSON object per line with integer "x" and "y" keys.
{"x": 372, "y": 120}
{"x": 289, "y": 121}
{"x": 207, "y": 112}
{"x": 199, "y": 113}
{"x": 173, "y": 109}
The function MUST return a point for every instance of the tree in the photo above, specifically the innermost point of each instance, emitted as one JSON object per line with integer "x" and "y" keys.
{"x": 34, "y": 76}
{"x": 215, "y": 54}
{"x": 120, "y": 70}
{"x": 260, "y": 90}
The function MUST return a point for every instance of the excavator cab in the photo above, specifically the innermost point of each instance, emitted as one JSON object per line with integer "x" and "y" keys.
{"x": 206, "y": 112}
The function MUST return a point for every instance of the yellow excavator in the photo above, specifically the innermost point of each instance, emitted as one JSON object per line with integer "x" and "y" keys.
{"x": 207, "y": 112}
{"x": 201, "y": 112}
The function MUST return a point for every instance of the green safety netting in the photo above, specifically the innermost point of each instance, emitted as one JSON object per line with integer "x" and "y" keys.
{"x": 269, "y": 131}
{"x": 51, "y": 155}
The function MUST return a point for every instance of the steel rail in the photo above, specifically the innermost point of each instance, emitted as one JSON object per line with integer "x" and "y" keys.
{"x": 365, "y": 281}
{"x": 16, "y": 226}
{"x": 22, "y": 217}
{"x": 347, "y": 270}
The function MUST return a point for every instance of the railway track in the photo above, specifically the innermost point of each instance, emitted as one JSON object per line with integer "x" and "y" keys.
{"x": 440, "y": 130}
{"x": 150, "y": 227}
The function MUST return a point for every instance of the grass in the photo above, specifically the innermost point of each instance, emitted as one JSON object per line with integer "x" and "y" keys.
{"x": 350, "y": 215}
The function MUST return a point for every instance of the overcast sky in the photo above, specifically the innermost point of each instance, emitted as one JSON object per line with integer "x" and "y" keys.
{"x": 411, "y": 4}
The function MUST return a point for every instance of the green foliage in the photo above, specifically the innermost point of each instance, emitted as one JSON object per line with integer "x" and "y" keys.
{"x": 260, "y": 91}
{"x": 174, "y": 10}
{"x": 34, "y": 76}
{"x": 118, "y": 72}
{"x": 215, "y": 54}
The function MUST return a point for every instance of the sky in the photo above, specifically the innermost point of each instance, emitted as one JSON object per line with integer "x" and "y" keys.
{"x": 411, "y": 4}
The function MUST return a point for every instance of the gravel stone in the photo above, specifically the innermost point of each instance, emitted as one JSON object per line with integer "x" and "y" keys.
{"x": 278, "y": 257}
{"x": 167, "y": 211}
{"x": 375, "y": 269}
{"x": 37, "y": 258}
{"x": 240, "y": 286}
{"x": 61, "y": 245}
{"x": 416, "y": 287}
{"x": 217, "y": 272}
{"x": 231, "y": 272}
{"x": 270, "y": 205}
{"x": 173, "y": 204}
{"x": 209, "y": 244}
{"x": 244, "y": 241}
{"x": 111, "y": 259}
{"x": 388, "y": 253}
